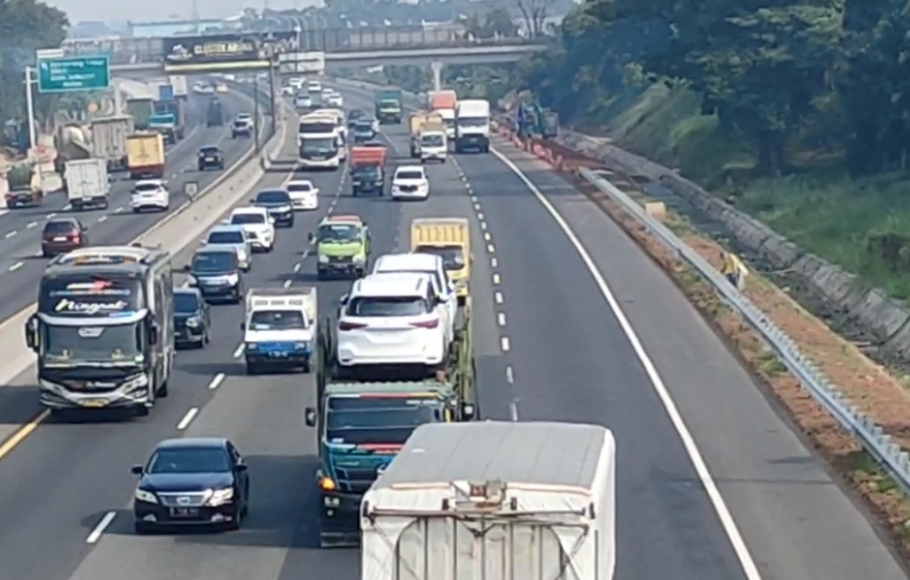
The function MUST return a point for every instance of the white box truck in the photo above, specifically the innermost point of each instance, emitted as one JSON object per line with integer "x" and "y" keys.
{"x": 494, "y": 501}
{"x": 472, "y": 126}
{"x": 109, "y": 140}
{"x": 279, "y": 329}
{"x": 87, "y": 183}
{"x": 178, "y": 83}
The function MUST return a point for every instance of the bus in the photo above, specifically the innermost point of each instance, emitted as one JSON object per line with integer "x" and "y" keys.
{"x": 104, "y": 329}
{"x": 320, "y": 143}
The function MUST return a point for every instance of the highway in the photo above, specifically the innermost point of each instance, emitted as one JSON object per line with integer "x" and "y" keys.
{"x": 551, "y": 343}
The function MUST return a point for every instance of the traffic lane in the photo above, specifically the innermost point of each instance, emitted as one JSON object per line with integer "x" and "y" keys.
{"x": 573, "y": 362}
{"x": 117, "y": 225}
{"x": 449, "y": 197}
{"x": 264, "y": 416}
{"x": 778, "y": 491}
{"x": 58, "y": 482}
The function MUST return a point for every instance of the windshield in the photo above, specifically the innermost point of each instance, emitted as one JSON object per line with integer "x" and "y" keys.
{"x": 59, "y": 227}
{"x": 277, "y": 320}
{"x": 432, "y": 141}
{"x": 366, "y": 171}
{"x": 322, "y": 145}
{"x": 362, "y": 128}
{"x": 409, "y": 175}
{"x": 452, "y": 256}
{"x": 339, "y": 233}
{"x": 473, "y": 121}
{"x": 389, "y": 104}
{"x": 225, "y": 238}
{"x": 247, "y": 218}
{"x": 316, "y": 128}
{"x": 375, "y": 420}
{"x": 147, "y": 187}
{"x": 214, "y": 262}
{"x": 188, "y": 460}
{"x": 299, "y": 187}
{"x": 186, "y": 303}
{"x": 382, "y": 306}
{"x": 122, "y": 342}
{"x": 241, "y": 123}
{"x": 90, "y": 295}
{"x": 449, "y": 123}
{"x": 209, "y": 150}
{"x": 277, "y": 196}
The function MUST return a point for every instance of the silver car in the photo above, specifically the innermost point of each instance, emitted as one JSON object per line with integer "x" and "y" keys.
{"x": 235, "y": 237}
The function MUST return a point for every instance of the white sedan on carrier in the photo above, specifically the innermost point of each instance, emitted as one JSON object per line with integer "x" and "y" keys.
{"x": 410, "y": 182}
{"x": 304, "y": 196}
{"x": 150, "y": 194}
{"x": 258, "y": 223}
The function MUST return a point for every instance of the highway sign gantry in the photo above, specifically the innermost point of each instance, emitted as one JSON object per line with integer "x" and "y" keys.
{"x": 70, "y": 74}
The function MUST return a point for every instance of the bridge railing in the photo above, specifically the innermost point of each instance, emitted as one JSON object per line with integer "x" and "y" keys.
{"x": 150, "y": 50}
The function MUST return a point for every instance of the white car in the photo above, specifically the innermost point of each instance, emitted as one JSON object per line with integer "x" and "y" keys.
{"x": 235, "y": 237}
{"x": 150, "y": 194}
{"x": 257, "y": 222}
{"x": 391, "y": 319}
{"x": 335, "y": 100}
{"x": 410, "y": 182}
{"x": 326, "y": 93}
{"x": 429, "y": 265}
{"x": 314, "y": 86}
{"x": 295, "y": 82}
{"x": 303, "y": 101}
{"x": 304, "y": 196}
{"x": 287, "y": 91}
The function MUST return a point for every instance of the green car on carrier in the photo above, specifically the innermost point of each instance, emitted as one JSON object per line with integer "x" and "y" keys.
{"x": 342, "y": 247}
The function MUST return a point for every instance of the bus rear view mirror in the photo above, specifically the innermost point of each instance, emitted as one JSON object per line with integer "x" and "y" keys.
{"x": 309, "y": 416}
{"x": 31, "y": 333}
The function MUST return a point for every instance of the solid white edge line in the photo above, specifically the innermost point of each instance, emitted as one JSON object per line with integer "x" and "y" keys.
{"x": 98, "y": 530}
{"x": 188, "y": 418}
{"x": 698, "y": 462}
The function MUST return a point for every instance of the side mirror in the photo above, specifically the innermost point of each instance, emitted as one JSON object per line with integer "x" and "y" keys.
{"x": 31, "y": 333}
{"x": 344, "y": 299}
{"x": 252, "y": 200}
{"x": 309, "y": 416}
{"x": 241, "y": 467}
{"x": 467, "y": 411}
{"x": 242, "y": 326}
{"x": 153, "y": 334}
{"x": 310, "y": 237}
{"x": 136, "y": 470}
{"x": 186, "y": 267}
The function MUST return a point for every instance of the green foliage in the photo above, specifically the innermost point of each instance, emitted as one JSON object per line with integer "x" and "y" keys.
{"x": 25, "y": 26}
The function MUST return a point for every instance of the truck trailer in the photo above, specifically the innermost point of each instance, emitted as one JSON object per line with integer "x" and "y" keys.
{"x": 109, "y": 136}
{"x": 494, "y": 501}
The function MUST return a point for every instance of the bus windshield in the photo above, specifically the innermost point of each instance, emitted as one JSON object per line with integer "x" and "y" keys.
{"x": 118, "y": 343}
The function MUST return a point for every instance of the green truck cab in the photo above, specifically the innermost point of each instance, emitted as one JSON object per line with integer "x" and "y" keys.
{"x": 389, "y": 106}
{"x": 342, "y": 247}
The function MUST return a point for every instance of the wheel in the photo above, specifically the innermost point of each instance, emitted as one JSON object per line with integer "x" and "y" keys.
{"x": 105, "y": 205}
{"x": 136, "y": 210}
{"x": 162, "y": 390}
{"x": 306, "y": 368}
{"x": 142, "y": 411}
{"x": 251, "y": 368}
{"x": 47, "y": 254}
{"x": 206, "y": 339}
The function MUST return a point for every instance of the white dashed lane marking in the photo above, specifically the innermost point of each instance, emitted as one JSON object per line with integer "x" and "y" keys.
{"x": 188, "y": 418}
{"x": 498, "y": 297}
{"x": 16, "y": 266}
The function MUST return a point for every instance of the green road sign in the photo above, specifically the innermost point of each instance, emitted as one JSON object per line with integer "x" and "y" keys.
{"x": 82, "y": 73}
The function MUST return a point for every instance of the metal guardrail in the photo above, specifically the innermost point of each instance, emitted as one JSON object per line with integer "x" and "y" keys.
{"x": 151, "y": 50}
{"x": 872, "y": 437}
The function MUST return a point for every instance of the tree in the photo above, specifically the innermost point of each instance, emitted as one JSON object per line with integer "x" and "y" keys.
{"x": 25, "y": 26}
{"x": 534, "y": 13}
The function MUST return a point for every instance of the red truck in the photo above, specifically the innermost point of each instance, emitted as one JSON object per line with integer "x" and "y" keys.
{"x": 367, "y": 170}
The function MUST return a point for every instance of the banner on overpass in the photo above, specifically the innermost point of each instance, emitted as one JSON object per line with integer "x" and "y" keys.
{"x": 302, "y": 62}
{"x": 224, "y": 52}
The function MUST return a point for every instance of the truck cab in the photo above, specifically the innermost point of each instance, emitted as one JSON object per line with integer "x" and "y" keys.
{"x": 342, "y": 247}
{"x": 360, "y": 427}
{"x": 279, "y": 329}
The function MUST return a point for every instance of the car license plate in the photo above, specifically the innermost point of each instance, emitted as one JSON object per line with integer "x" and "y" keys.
{"x": 93, "y": 403}
{"x": 60, "y": 239}
{"x": 210, "y": 159}
{"x": 278, "y": 354}
{"x": 184, "y": 512}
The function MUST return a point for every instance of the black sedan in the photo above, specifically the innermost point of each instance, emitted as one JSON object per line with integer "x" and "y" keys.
{"x": 210, "y": 157}
{"x": 192, "y": 319}
{"x": 192, "y": 481}
{"x": 279, "y": 205}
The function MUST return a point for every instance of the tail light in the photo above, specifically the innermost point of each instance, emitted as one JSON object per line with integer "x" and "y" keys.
{"x": 342, "y": 325}
{"x": 426, "y": 324}
{"x": 75, "y": 237}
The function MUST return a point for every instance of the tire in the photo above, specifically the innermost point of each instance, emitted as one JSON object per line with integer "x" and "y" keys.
{"x": 162, "y": 390}
{"x": 142, "y": 528}
{"x": 252, "y": 369}
{"x": 142, "y": 411}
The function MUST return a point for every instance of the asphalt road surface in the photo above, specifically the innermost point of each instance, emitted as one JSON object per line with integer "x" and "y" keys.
{"x": 549, "y": 345}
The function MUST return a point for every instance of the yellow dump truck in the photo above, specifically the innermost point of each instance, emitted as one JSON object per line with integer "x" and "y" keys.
{"x": 145, "y": 155}
{"x": 449, "y": 238}
{"x": 416, "y": 122}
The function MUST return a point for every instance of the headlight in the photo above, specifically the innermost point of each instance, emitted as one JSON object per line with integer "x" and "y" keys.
{"x": 323, "y": 259}
{"x": 232, "y": 279}
{"x": 360, "y": 259}
{"x": 301, "y": 345}
{"x": 146, "y": 496}
{"x": 251, "y": 346}
{"x": 192, "y": 322}
{"x": 220, "y": 496}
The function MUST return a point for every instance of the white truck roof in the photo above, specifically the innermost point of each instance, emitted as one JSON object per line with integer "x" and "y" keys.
{"x": 532, "y": 497}
{"x": 283, "y": 298}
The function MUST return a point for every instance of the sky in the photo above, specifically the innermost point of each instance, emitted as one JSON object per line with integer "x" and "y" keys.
{"x": 157, "y": 10}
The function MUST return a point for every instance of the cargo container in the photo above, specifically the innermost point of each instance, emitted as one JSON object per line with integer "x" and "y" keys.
{"x": 145, "y": 155}
{"x": 109, "y": 136}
